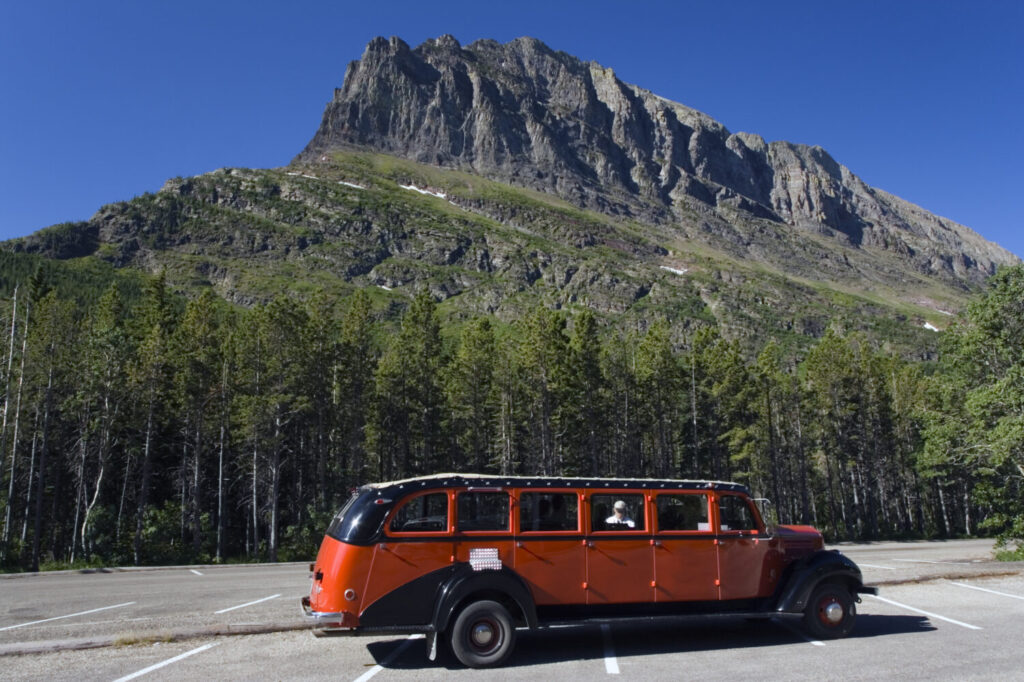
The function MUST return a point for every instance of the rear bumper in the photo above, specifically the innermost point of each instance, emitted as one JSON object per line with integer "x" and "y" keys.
{"x": 321, "y": 619}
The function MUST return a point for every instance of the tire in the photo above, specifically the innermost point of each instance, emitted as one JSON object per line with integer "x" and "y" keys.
{"x": 821, "y": 617}
{"x": 483, "y": 635}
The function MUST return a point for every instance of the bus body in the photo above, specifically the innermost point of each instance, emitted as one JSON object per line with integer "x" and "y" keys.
{"x": 469, "y": 558}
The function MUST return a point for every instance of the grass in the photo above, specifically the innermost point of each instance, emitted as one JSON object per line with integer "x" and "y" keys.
{"x": 1014, "y": 554}
{"x": 136, "y": 640}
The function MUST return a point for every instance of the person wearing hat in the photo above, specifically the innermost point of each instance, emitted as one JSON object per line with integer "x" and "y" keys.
{"x": 619, "y": 516}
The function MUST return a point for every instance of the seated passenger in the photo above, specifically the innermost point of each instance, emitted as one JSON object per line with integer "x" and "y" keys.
{"x": 619, "y": 517}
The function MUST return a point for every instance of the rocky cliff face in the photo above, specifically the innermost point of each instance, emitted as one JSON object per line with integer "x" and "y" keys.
{"x": 525, "y": 114}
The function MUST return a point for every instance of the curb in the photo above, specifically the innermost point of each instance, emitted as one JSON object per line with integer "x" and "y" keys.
{"x": 55, "y": 645}
{"x": 144, "y": 569}
{"x": 955, "y": 575}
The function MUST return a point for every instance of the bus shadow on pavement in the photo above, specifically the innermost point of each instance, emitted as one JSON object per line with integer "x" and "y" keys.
{"x": 585, "y": 642}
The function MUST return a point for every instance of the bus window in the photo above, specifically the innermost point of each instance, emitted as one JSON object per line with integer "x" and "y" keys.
{"x": 423, "y": 514}
{"x": 548, "y": 511}
{"x": 617, "y": 512}
{"x": 734, "y": 513}
{"x": 683, "y": 512}
{"x": 483, "y": 511}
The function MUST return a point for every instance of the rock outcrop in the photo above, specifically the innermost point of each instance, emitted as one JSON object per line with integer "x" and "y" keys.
{"x": 523, "y": 113}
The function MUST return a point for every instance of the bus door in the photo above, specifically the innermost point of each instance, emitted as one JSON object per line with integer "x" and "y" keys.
{"x": 745, "y": 563}
{"x": 549, "y": 552}
{"x": 685, "y": 551}
{"x": 620, "y": 566}
{"x": 416, "y": 541}
{"x": 483, "y": 528}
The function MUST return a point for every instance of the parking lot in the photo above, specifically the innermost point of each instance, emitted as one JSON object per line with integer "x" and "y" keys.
{"x": 945, "y": 611}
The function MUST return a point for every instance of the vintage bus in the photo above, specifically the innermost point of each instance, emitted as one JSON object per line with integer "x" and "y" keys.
{"x": 469, "y": 558}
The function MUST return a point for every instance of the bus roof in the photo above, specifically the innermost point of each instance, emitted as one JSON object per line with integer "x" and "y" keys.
{"x": 456, "y": 480}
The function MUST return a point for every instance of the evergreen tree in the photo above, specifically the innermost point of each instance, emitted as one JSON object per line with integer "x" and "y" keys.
{"x": 542, "y": 359}
{"x": 586, "y": 412}
{"x": 472, "y": 399}
{"x": 658, "y": 380}
{"x": 405, "y": 429}
{"x": 150, "y": 382}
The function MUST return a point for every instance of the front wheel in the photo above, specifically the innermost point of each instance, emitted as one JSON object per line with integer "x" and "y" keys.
{"x": 483, "y": 634}
{"x": 830, "y": 613}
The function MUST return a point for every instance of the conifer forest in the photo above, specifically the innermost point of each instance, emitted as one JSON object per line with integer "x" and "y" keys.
{"x": 148, "y": 429}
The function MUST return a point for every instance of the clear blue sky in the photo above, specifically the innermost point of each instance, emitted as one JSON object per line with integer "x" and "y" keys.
{"x": 104, "y": 100}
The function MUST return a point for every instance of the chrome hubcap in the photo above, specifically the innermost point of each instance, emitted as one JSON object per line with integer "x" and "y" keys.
{"x": 833, "y": 613}
{"x": 482, "y": 634}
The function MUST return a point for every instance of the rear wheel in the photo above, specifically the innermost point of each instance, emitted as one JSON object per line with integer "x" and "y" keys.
{"x": 831, "y": 612}
{"x": 483, "y": 634}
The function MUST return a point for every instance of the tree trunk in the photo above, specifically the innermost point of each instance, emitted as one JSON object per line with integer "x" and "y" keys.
{"x": 37, "y": 528}
{"x": 7, "y": 380}
{"x": 220, "y": 493}
{"x": 275, "y": 485}
{"x": 28, "y": 481}
{"x": 14, "y": 441}
{"x": 147, "y": 468}
{"x": 197, "y": 498}
{"x": 91, "y": 505}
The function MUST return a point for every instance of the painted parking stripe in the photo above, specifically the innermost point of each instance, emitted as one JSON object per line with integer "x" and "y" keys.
{"x": 157, "y": 666}
{"x": 611, "y": 663}
{"x": 387, "y": 661}
{"x": 242, "y": 606}
{"x": 926, "y": 613}
{"x": 195, "y": 571}
{"x": 983, "y": 589}
{"x": 925, "y": 561}
{"x": 70, "y": 615}
{"x": 884, "y": 568}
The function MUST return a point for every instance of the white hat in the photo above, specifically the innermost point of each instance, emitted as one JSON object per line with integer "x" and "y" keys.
{"x": 620, "y": 505}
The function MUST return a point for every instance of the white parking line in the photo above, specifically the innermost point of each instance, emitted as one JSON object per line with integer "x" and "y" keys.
{"x": 195, "y": 571}
{"x": 884, "y": 568}
{"x": 611, "y": 663}
{"x": 70, "y": 615}
{"x": 242, "y": 606}
{"x": 982, "y": 589}
{"x": 157, "y": 666}
{"x": 926, "y": 613}
{"x": 387, "y": 661}
{"x": 924, "y": 561}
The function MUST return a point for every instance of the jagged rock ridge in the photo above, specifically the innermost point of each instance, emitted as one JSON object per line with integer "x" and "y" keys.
{"x": 523, "y": 113}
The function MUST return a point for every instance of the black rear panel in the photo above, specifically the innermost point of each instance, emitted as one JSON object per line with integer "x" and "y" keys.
{"x": 360, "y": 519}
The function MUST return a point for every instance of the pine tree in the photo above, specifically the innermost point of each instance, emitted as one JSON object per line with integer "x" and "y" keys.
{"x": 353, "y": 386}
{"x": 472, "y": 399}
{"x": 150, "y": 382}
{"x": 585, "y": 409}
{"x": 542, "y": 359}
{"x": 197, "y": 345}
{"x": 405, "y": 429}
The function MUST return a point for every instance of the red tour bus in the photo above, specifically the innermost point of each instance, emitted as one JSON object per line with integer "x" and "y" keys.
{"x": 469, "y": 558}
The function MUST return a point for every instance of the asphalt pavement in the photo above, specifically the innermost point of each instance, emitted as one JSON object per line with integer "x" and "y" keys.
{"x": 946, "y": 610}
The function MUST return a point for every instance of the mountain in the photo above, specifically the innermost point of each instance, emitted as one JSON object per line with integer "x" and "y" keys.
{"x": 503, "y": 176}
{"x": 525, "y": 114}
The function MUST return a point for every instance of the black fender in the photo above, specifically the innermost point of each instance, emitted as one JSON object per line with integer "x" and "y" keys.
{"x": 811, "y": 571}
{"x": 502, "y": 585}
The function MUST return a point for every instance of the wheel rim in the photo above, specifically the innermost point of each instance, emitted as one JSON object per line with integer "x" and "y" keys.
{"x": 484, "y": 635}
{"x": 831, "y": 611}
